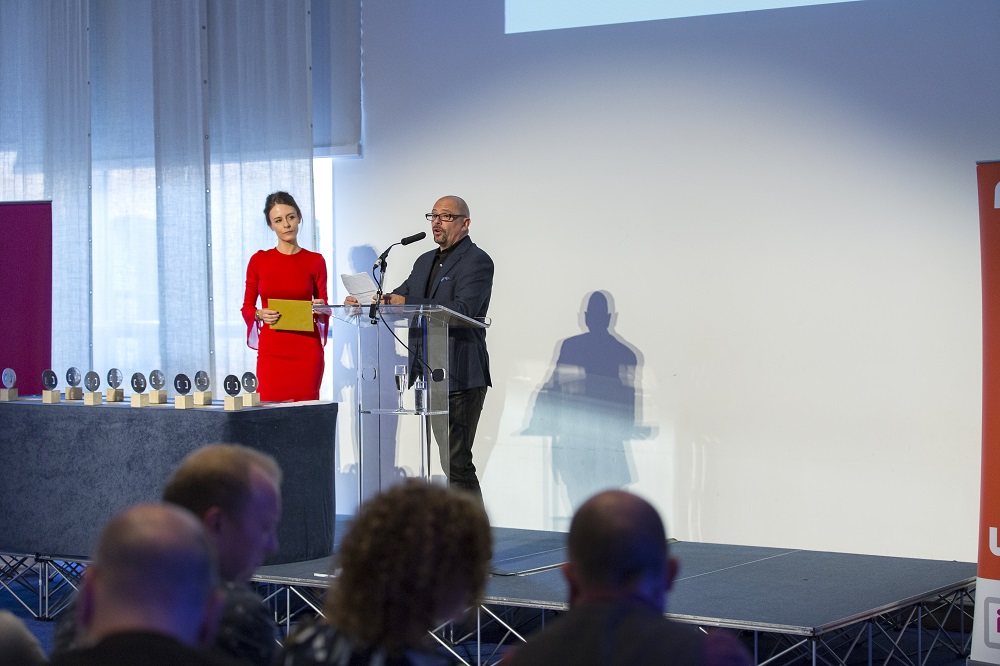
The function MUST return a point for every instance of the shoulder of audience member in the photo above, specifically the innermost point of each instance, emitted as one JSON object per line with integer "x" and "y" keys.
{"x": 246, "y": 628}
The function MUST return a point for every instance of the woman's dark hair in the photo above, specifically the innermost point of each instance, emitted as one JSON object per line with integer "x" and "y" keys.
{"x": 276, "y": 198}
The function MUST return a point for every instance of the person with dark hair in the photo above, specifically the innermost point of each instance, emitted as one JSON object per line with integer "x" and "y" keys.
{"x": 289, "y": 363}
{"x": 619, "y": 572}
{"x": 149, "y": 596}
{"x": 458, "y": 276}
{"x": 415, "y": 557}
{"x": 236, "y": 493}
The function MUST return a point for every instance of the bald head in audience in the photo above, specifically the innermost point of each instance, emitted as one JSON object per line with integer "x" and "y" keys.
{"x": 154, "y": 571}
{"x": 618, "y": 548}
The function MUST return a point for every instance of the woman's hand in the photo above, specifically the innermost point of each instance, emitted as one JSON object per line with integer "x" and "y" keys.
{"x": 268, "y": 316}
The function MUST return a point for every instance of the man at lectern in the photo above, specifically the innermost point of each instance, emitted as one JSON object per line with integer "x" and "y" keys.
{"x": 458, "y": 276}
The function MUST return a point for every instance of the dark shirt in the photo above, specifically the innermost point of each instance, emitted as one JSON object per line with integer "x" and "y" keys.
{"x": 316, "y": 643}
{"x": 439, "y": 258}
{"x": 136, "y": 648}
{"x": 246, "y": 629}
{"x": 619, "y": 633}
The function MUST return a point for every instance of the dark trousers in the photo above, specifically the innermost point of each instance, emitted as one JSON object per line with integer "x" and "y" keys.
{"x": 464, "y": 409}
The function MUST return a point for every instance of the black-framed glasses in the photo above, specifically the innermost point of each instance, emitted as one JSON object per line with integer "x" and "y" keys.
{"x": 444, "y": 217}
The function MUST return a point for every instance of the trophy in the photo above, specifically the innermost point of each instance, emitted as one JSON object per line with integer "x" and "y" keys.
{"x": 50, "y": 394}
{"x": 157, "y": 394}
{"x": 138, "y": 398}
{"x": 182, "y": 384}
{"x": 233, "y": 401}
{"x": 251, "y": 398}
{"x": 8, "y": 392}
{"x": 202, "y": 397}
{"x": 73, "y": 379}
{"x": 115, "y": 393}
{"x": 92, "y": 382}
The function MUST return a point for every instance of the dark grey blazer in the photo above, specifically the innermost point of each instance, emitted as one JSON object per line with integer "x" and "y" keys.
{"x": 464, "y": 284}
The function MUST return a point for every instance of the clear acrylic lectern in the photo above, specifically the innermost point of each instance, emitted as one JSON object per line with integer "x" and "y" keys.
{"x": 402, "y": 388}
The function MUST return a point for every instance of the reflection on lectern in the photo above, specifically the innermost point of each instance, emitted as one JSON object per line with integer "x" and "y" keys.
{"x": 345, "y": 355}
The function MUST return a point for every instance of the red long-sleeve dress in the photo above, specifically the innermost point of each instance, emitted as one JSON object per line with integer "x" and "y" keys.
{"x": 289, "y": 363}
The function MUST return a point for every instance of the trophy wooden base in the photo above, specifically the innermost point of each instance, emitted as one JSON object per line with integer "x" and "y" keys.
{"x": 114, "y": 395}
{"x": 251, "y": 399}
{"x": 158, "y": 397}
{"x": 74, "y": 393}
{"x": 93, "y": 398}
{"x": 8, "y": 395}
{"x": 183, "y": 402}
{"x": 233, "y": 403}
{"x": 203, "y": 398}
{"x": 139, "y": 400}
{"x": 51, "y": 397}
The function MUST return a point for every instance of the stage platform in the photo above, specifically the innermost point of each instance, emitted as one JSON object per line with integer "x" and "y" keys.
{"x": 791, "y": 605}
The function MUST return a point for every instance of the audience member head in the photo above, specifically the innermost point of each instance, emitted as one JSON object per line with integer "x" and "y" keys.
{"x": 413, "y": 558}
{"x": 154, "y": 570}
{"x": 618, "y": 548}
{"x": 17, "y": 644}
{"x": 236, "y": 492}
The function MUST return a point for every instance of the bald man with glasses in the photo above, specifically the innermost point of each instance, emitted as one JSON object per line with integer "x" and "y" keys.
{"x": 458, "y": 276}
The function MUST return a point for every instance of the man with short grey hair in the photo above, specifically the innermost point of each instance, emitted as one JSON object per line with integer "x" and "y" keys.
{"x": 150, "y": 595}
{"x": 236, "y": 493}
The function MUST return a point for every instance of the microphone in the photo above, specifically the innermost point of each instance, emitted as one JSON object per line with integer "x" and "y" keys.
{"x": 380, "y": 266}
{"x": 380, "y": 262}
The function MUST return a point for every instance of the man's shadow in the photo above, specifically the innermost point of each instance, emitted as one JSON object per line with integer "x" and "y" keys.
{"x": 588, "y": 406}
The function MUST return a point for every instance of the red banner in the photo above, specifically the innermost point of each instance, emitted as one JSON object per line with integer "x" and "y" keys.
{"x": 26, "y": 288}
{"x": 986, "y": 630}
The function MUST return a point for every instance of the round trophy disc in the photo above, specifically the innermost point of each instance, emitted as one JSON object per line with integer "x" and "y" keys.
{"x": 232, "y": 385}
{"x": 201, "y": 380}
{"x": 92, "y": 381}
{"x": 9, "y": 377}
{"x": 138, "y": 382}
{"x": 249, "y": 382}
{"x": 73, "y": 377}
{"x": 49, "y": 380}
{"x": 182, "y": 383}
{"x": 115, "y": 378}
{"x": 157, "y": 380}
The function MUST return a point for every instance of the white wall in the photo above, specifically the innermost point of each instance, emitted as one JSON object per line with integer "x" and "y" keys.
{"x": 782, "y": 208}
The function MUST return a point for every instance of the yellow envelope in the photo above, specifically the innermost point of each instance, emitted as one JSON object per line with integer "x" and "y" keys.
{"x": 295, "y": 315}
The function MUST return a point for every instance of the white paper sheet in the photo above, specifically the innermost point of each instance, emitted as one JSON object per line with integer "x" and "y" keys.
{"x": 360, "y": 286}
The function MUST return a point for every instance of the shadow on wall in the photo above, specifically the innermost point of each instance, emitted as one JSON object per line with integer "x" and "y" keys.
{"x": 589, "y": 408}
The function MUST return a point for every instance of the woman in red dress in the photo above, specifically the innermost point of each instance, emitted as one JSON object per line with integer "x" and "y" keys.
{"x": 289, "y": 363}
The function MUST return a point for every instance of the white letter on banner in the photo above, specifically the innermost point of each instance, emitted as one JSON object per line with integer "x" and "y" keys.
{"x": 994, "y": 546}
